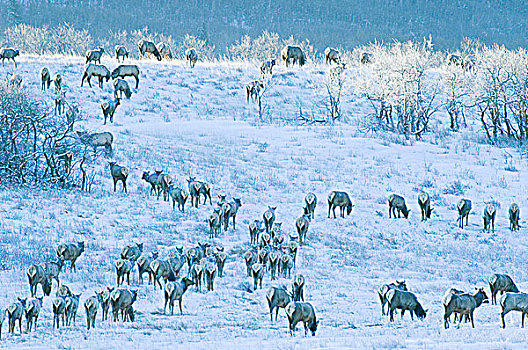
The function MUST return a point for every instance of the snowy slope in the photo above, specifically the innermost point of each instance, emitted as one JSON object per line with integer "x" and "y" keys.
{"x": 197, "y": 122}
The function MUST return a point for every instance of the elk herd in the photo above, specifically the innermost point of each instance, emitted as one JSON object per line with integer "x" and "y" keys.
{"x": 270, "y": 253}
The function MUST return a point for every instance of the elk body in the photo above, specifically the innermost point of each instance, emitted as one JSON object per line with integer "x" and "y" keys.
{"x": 277, "y": 298}
{"x": 382, "y": 292}
{"x": 341, "y": 200}
{"x": 269, "y": 218}
{"x": 174, "y": 291}
{"x": 311, "y": 202}
{"x": 90, "y": 306}
{"x": 501, "y": 283}
{"x": 126, "y": 70}
{"x": 464, "y": 207}
{"x": 514, "y": 302}
{"x": 489, "y": 217}
{"x": 513, "y": 213}
{"x": 191, "y": 56}
{"x": 403, "y": 300}
{"x": 119, "y": 173}
{"x": 397, "y": 205}
{"x": 33, "y": 307}
{"x": 37, "y": 275}
{"x": 425, "y": 205}
{"x": 301, "y": 312}
{"x": 70, "y": 252}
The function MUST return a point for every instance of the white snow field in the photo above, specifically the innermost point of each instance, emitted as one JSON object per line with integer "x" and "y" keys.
{"x": 197, "y": 122}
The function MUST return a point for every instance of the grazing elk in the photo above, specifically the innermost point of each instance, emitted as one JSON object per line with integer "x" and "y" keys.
{"x": 64, "y": 291}
{"x": 143, "y": 264}
{"x": 382, "y": 292}
{"x": 90, "y": 306}
{"x": 121, "y": 51}
{"x": 165, "y": 51}
{"x": 70, "y": 252}
{"x": 45, "y": 78}
{"x": 178, "y": 195}
{"x": 277, "y": 298}
{"x": 311, "y": 202}
{"x": 397, "y": 204}
{"x": 36, "y": 274}
{"x": 514, "y": 302}
{"x": 298, "y": 287}
{"x": 33, "y": 307}
{"x": 332, "y": 55}
{"x": 7, "y": 53}
{"x": 174, "y": 291}
{"x": 53, "y": 269}
{"x": 267, "y": 67}
{"x": 109, "y": 108}
{"x": 463, "y": 304}
{"x": 149, "y": 48}
{"x": 95, "y": 70}
{"x": 254, "y": 90}
{"x": 126, "y": 70}
{"x": 269, "y": 218}
{"x": 15, "y": 311}
{"x": 513, "y": 213}
{"x": 121, "y": 87}
{"x": 294, "y": 55}
{"x": 301, "y": 312}
{"x": 341, "y": 200}
{"x": 366, "y": 57}
{"x": 191, "y": 56}
{"x": 398, "y": 299}
{"x": 119, "y": 173}
{"x": 425, "y": 205}
{"x": 501, "y": 283}
{"x": 257, "y": 272}
{"x": 464, "y": 207}
{"x": 94, "y": 55}
{"x": 489, "y": 217}
{"x": 97, "y": 139}
{"x": 302, "y": 224}
{"x": 59, "y": 311}
{"x": 230, "y": 210}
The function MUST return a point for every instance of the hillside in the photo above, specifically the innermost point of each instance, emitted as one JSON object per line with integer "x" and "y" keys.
{"x": 198, "y": 123}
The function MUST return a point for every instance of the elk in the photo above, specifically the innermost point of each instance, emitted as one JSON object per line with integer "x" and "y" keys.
{"x": 489, "y": 217}
{"x": 149, "y": 48}
{"x": 255, "y": 228}
{"x": 33, "y": 307}
{"x": 95, "y": 70}
{"x": 104, "y": 299}
{"x": 132, "y": 252}
{"x": 397, "y": 204}
{"x": 403, "y": 300}
{"x": 119, "y": 173}
{"x": 301, "y": 312}
{"x": 14, "y": 313}
{"x": 514, "y": 302}
{"x": 463, "y": 304}
{"x": 45, "y": 78}
{"x": 126, "y": 70}
{"x": 292, "y": 54}
{"x": 121, "y": 51}
{"x": 513, "y": 213}
{"x": 94, "y": 55}
{"x": 230, "y": 211}
{"x": 257, "y": 272}
{"x": 311, "y": 202}
{"x": 302, "y": 224}
{"x": 70, "y": 252}
{"x": 143, "y": 264}
{"x": 425, "y": 205}
{"x": 123, "y": 268}
{"x": 178, "y": 195}
{"x": 72, "y": 305}
{"x": 122, "y": 300}
{"x": 464, "y": 207}
{"x": 269, "y": 218}
{"x": 332, "y": 55}
{"x": 215, "y": 223}
{"x": 277, "y": 298}
{"x": 382, "y": 292}
{"x": 7, "y": 53}
{"x": 501, "y": 283}
{"x": 36, "y": 274}
{"x": 174, "y": 291}
{"x": 191, "y": 56}
{"x": 109, "y": 108}
{"x": 341, "y": 200}
{"x": 90, "y": 306}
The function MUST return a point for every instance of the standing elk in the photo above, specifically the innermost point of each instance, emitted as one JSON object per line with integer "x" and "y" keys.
{"x": 119, "y": 173}
{"x": 341, "y": 200}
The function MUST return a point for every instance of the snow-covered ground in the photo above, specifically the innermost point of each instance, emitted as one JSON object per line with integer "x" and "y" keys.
{"x": 197, "y": 122}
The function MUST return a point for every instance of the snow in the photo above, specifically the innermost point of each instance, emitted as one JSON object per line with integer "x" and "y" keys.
{"x": 197, "y": 122}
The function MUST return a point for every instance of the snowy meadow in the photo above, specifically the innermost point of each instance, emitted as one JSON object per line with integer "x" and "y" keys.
{"x": 197, "y": 122}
